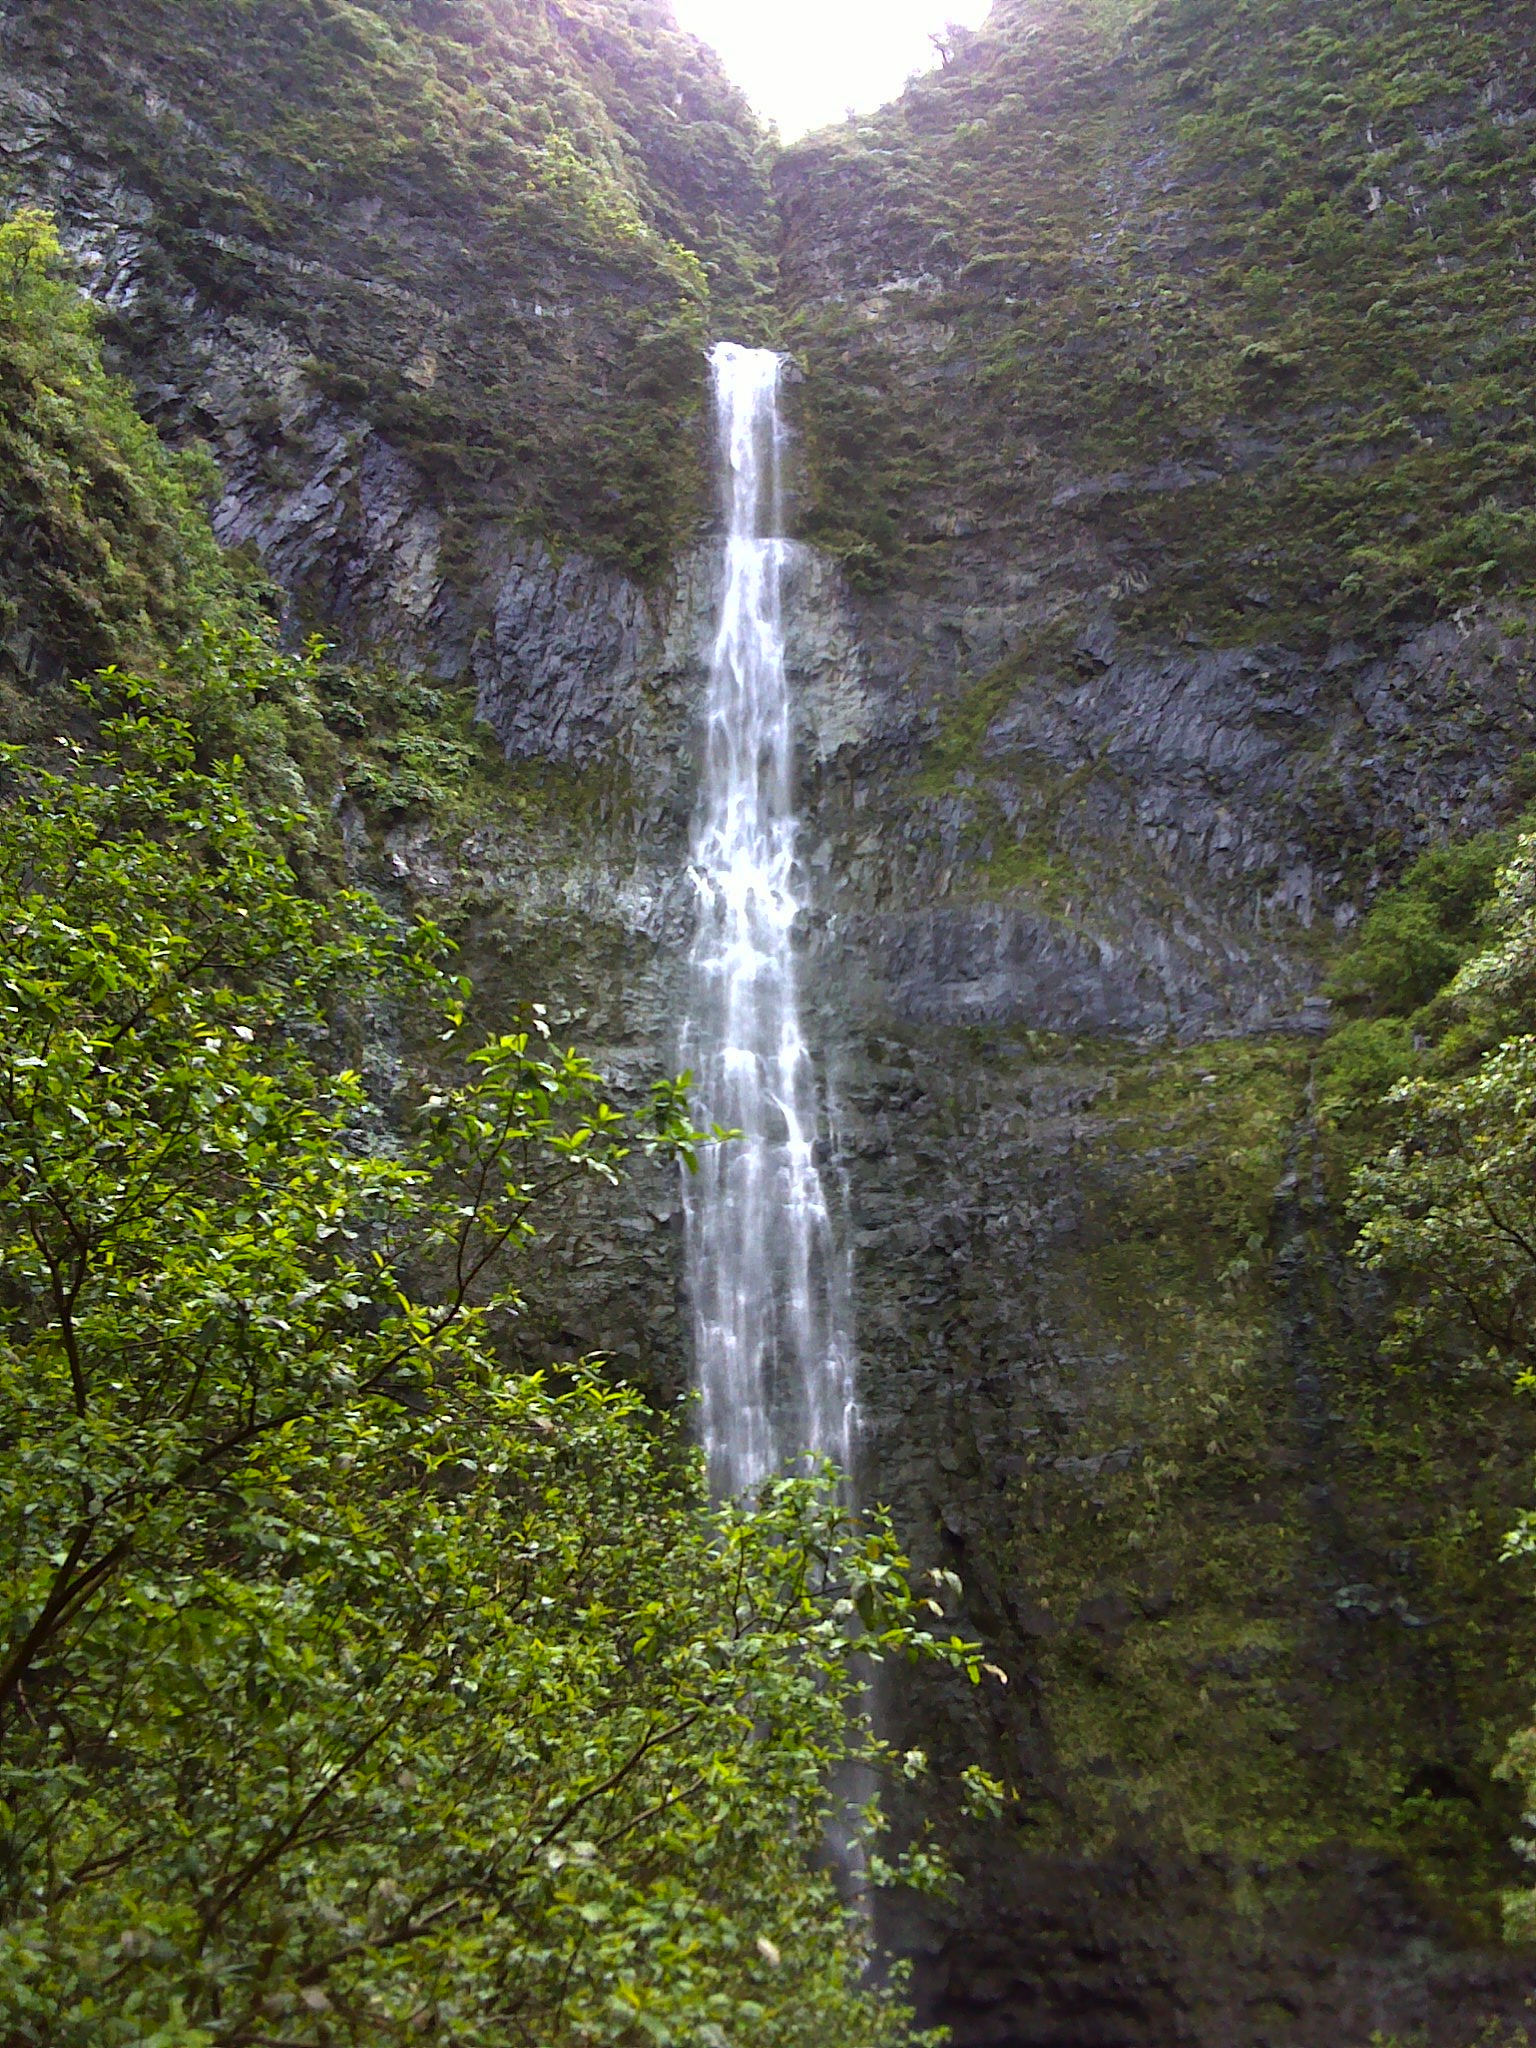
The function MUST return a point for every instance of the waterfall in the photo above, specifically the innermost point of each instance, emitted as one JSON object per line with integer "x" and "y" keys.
{"x": 773, "y": 1348}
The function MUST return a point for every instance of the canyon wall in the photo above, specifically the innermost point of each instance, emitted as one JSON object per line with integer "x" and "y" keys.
{"x": 1162, "y": 465}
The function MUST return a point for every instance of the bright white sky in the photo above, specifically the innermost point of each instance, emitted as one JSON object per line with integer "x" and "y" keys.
{"x": 805, "y": 63}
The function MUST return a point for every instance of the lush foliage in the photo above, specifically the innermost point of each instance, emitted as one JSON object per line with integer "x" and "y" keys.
{"x": 1445, "y": 1198}
{"x": 1448, "y": 1206}
{"x": 1390, "y": 982}
{"x": 355, "y": 1690}
{"x": 104, "y": 551}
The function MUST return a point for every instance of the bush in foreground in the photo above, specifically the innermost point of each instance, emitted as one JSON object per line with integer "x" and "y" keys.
{"x": 354, "y": 1690}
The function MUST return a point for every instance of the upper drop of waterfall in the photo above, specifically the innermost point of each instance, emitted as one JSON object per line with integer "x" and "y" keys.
{"x": 771, "y": 1326}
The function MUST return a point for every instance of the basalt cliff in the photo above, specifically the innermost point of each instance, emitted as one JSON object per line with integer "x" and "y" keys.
{"x": 1160, "y": 373}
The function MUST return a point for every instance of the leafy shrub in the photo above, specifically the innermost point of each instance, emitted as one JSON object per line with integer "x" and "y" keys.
{"x": 355, "y": 1691}
{"x": 1446, "y": 1201}
{"x": 1415, "y": 939}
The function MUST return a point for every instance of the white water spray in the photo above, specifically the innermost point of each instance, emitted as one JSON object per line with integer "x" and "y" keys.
{"x": 775, "y": 1360}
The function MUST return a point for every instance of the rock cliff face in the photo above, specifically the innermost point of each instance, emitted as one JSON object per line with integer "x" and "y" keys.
{"x": 1149, "y": 617}
{"x": 485, "y": 241}
{"x": 1164, "y": 678}
{"x": 1116, "y": 1370}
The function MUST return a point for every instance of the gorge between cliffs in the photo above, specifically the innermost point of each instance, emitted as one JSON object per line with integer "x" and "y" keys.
{"x": 1001, "y": 635}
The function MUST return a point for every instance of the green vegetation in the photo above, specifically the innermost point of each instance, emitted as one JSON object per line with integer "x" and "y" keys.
{"x": 354, "y": 1690}
{"x": 1443, "y": 1198}
{"x": 1421, "y": 932}
{"x": 403, "y": 747}
{"x": 1181, "y": 1706}
{"x": 1447, "y": 1208}
{"x": 1261, "y": 1544}
{"x": 105, "y": 553}
{"x": 1226, "y": 1673}
{"x": 1389, "y": 982}
{"x": 1261, "y": 1553}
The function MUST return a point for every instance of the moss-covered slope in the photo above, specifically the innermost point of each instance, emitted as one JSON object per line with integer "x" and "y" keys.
{"x": 105, "y": 550}
{"x": 1242, "y": 289}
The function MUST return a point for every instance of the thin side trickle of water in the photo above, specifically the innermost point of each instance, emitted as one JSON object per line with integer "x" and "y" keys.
{"x": 774, "y": 1356}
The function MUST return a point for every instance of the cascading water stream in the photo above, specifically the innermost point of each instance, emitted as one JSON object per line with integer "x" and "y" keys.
{"x": 775, "y": 1360}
